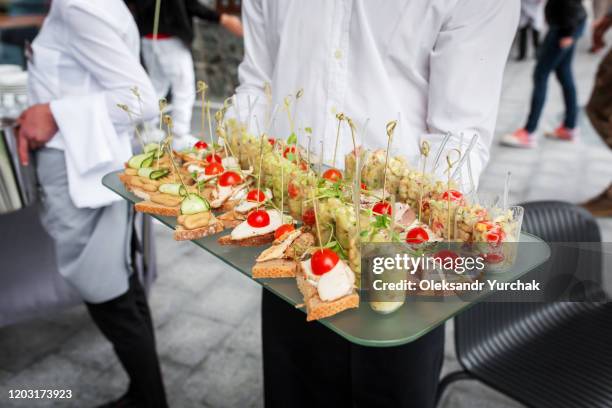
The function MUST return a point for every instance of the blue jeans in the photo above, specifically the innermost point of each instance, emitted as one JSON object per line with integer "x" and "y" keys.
{"x": 552, "y": 57}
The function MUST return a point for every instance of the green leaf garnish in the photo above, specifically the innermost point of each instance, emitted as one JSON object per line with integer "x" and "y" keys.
{"x": 292, "y": 139}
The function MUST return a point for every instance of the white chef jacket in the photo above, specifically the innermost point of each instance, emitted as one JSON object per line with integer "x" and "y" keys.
{"x": 437, "y": 65}
{"x": 85, "y": 61}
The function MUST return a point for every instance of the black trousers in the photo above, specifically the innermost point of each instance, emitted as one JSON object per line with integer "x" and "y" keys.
{"x": 522, "y": 41}
{"x": 307, "y": 365}
{"x": 126, "y": 322}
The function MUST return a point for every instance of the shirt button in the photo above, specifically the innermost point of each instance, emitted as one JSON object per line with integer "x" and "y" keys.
{"x": 338, "y": 53}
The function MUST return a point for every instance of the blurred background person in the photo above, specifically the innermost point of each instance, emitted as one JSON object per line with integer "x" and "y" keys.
{"x": 82, "y": 64}
{"x": 600, "y": 10}
{"x": 599, "y": 109}
{"x": 531, "y": 22}
{"x": 168, "y": 58}
{"x": 566, "y": 20}
{"x": 21, "y": 22}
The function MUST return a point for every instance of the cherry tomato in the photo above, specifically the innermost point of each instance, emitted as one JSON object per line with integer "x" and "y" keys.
{"x": 453, "y": 195}
{"x": 304, "y": 166}
{"x": 229, "y": 178}
{"x": 258, "y": 219}
{"x": 282, "y": 230}
{"x": 494, "y": 236}
{"x": 290, "y": 150}
{"x": 323, "y": 260}
{"x": 364, "y": 187}
{"x": 417, "y": 235}
{"x": 309, "y": 217}
{"x": 256, "y": 196}
{"x": 292, "y": 190}
{"x": 213, "y": 169}
{"x": 272, "y": 141}
{"x": 200, "y": 145}
{"x": 382, "y": 208}
{"x": 214, "y": 158}
{"x": 332, "y": 175}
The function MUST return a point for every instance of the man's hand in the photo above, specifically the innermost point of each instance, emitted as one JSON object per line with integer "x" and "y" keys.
{"x": 566, "y": 42}
{"x": 232, "y": 24}
{"x": 36, "y": 127}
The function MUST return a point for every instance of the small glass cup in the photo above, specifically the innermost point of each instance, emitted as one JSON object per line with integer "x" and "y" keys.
{"x": 501, "y": 254}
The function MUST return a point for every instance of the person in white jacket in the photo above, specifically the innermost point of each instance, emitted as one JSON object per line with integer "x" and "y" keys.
{"x": 435, "y": 65}
{"x": 83, "y": 63}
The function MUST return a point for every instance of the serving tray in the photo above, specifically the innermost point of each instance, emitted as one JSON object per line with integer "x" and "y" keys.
{"x": 361, "y": 326}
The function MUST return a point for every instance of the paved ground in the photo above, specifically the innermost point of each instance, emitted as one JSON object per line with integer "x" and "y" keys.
{"x": 210, "y": 349}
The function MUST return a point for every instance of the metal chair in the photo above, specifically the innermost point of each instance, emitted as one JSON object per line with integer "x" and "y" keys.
{"x": 544, "y": 355}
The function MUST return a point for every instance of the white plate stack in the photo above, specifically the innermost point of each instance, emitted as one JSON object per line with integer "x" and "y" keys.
{"x": 13, "y": 90}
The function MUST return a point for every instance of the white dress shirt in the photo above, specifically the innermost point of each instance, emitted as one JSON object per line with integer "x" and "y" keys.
{"x": 437, "y": 65}
{"x": 85, "y": 61}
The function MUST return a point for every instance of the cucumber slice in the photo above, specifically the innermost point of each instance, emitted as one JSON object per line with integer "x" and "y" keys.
{"x": 173, "y": 189}
{"x": 138, "y": 160}
{"x": 194, "y": 204}
{"x": 153, "y": 149}
{"x": 148, "y": 162}
{"x": 145, "y": 172}
{"x": 159, "y": 173}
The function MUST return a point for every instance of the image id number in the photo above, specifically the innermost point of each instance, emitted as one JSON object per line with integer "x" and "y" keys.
{"x": 40, "y": 394}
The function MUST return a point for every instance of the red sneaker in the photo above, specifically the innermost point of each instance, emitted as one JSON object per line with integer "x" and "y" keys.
{"x": 563, "y": 133}
{"x": 520, "y": 138}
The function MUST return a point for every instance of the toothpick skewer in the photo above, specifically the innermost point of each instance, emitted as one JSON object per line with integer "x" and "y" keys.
{"x": 136, "y": 130}
{"x": 163, "y": 103}
{"x": 136, "y": 93}
{"x": 282, "y": 191}
{"x": 316, "y": 213}
{"x": 210, "y": 131}
{"x": 162, "y": 106}
{"x": 447, "y": 137}
{"x": 168, "y": 145}
{"x": 201, "y": 89}
{"x": 261, "y": 138}
{"x": 424, "y": 154}
{"x": 474, "y": 193}
{"x": 390, "y": 129}
{"x": 298, "y": 95}
{"x": 450, "y": 163}
{"x": 272, "y": 119}
{"x": 156, "y": 19}
{"x": 308, "y": 152}
{"x": 340, "y": 116}
{"x": 466, "y": 155}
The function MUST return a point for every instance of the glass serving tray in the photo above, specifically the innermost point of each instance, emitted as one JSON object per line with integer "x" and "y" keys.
{"x": 362, "y": 326}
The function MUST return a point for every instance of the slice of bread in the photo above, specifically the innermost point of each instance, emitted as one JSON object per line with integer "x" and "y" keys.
{"x": 275, "y": 268}
{"x": 150, "y": 207}
{"x": 182, "y": 234}
{"x": 248, "y": 242}
{"x": 318, "y": 309}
